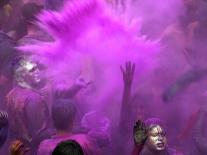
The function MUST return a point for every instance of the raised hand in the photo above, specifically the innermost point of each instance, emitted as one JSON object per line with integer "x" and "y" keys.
{"x": 128, "y": 73}
{"x": 17, "y": 148}
{"x": 3, "y": 119}
{"x": 82, "y": 83}
{"x": 139, "y": 133}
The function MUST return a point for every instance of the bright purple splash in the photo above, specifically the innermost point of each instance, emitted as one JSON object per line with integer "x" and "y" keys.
{"x": 91, "y": 41}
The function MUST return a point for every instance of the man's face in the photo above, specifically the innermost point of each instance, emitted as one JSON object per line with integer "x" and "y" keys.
{"x": 33, "y": 72}
{"x": 28, "y": 73}
{"x": 157, "y": 138}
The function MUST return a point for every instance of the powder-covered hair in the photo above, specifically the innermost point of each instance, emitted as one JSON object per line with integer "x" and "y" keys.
{"x": 152, "y": 122}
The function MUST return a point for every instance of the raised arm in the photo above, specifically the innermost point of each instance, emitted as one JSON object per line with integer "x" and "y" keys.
{"x": 73, "y": 90}
{"x": 128, "y": 76}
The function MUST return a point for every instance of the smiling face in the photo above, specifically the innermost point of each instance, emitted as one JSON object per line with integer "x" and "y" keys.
{"x": 27, "y": 74}
{"x": 157, "y": 138}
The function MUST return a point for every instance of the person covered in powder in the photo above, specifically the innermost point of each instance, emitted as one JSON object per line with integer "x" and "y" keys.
{"x": 63, "y": 115}
{"x": 27, "y": 102}
{"x": 133, "y": 105}
{"x": 150, "y": 138}
{"x": 29, "y": 113}
{"x": 96, "y": 125}
{"x": 126, "y": 109}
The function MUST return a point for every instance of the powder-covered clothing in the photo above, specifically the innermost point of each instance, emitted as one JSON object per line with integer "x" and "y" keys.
{"x": 28, "y": 113}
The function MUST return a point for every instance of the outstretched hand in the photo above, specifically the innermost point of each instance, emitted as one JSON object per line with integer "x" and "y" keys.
{"x": 82, "y": 83}
{"x": 3, "y": 119}
{"x": 140, "y": 133}
{"x": 128, "y": 73}
{"x": 17, "y": 148}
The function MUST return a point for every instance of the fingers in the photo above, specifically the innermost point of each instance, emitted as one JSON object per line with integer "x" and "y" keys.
{"x": 140, "y": 125}
{"x": 129, "y": 68}
{"x": 133, "y": 68}
{"x": 3, "y": 115}
{"x": 122, "y": 69}
{"x": 16, "y": 146}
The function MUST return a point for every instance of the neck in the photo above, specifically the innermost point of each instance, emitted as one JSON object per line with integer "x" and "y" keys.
{"x": 63, "y": 132}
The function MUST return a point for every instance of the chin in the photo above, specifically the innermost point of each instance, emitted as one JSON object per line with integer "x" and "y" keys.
{"x": 160, "y": 148}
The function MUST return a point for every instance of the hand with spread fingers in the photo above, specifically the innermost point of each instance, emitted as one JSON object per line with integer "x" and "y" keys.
{"x": 4, "y": 127}
{"x": 3, "y": 119}
{"x": 82, "y": 83}
{"x": 128, "y": 73}
{"x": 140, "y": 133}
{"x": 18, "y": 148}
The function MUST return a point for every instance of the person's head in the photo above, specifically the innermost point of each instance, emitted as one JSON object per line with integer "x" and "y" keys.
{"x": 63, "y": 114}
{"x": 69, "y": 147}
{"x": 27, "y": 72}
{"x": 156, "y": 135}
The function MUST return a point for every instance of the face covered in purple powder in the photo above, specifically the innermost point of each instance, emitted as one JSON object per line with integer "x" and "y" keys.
{"x": 27, "y": 73}
{"x": 156, "y": 138}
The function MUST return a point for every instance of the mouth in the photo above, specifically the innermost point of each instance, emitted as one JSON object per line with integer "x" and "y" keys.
{"x": 160, "y": 145}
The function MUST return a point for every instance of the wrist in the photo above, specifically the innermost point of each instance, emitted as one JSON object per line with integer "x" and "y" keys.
{"x": 127, "y": 85}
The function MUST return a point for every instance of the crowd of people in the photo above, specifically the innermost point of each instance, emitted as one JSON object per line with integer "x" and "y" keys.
{"x": 37, "y": 118}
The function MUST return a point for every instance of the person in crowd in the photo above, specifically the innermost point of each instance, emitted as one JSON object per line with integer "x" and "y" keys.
{"x": 63, "y": 115}
{"x": 28, "y": 103}
{"x": 150, "y": 138}
{"x": 194, "y": 51}
{"x": 30, "y": 114}
{"x": 132, "y": 105}
{"x": 26, "y": 29}
{"x": 69, "y": 147}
